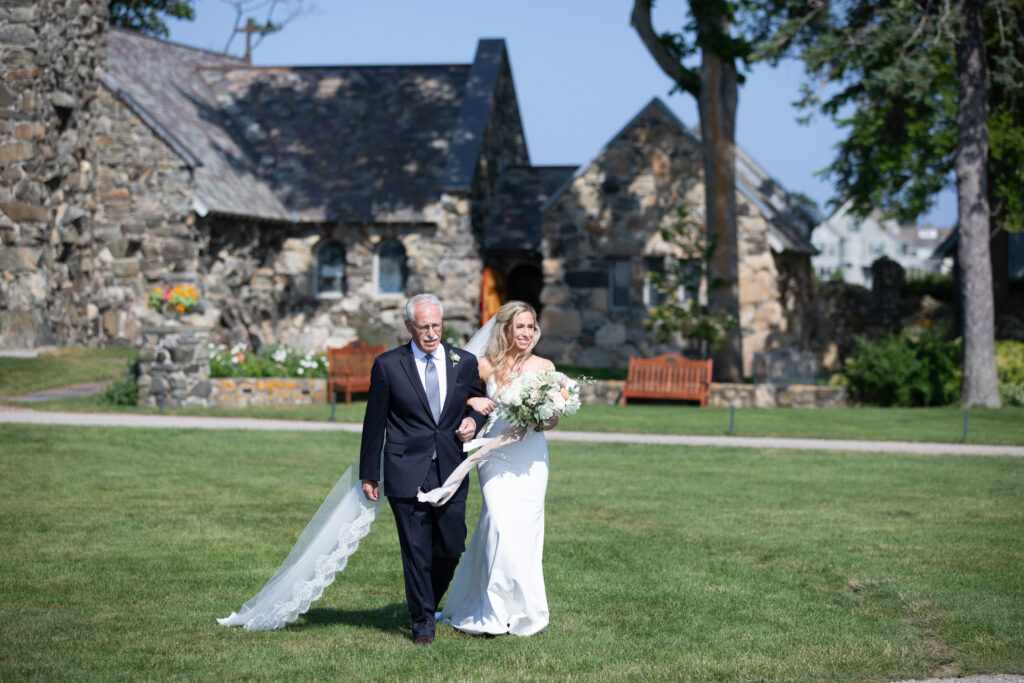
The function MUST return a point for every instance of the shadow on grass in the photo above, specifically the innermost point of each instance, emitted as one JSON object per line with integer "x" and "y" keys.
{"x": 393, "y": 618}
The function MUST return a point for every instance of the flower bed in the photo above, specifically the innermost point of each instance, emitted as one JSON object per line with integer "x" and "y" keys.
{"x": 241, "y": 361}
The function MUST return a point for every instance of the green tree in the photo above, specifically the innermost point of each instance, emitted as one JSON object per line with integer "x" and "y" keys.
{"x": 715, "y": 87}
{"x": 678, "y": 309}
{"x": 910, "y": 79}
{"x": 147, "y": 16}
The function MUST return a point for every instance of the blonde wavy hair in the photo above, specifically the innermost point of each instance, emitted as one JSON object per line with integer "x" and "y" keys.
{"x": 497, "y": 349}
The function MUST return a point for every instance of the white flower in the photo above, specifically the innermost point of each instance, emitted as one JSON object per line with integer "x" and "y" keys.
{"x": 301, "y": 371}
{"x": 280, "y": 355}
{"x": 454, "y": 357}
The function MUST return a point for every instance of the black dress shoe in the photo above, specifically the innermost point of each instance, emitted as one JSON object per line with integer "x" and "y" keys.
{"x": 423, "y": 640}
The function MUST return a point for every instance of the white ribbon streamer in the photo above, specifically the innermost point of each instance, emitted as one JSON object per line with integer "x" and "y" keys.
{"x": 480, "y": 448}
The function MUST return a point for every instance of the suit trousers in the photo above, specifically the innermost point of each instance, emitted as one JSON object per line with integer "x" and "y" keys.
{"x": 432, "y": 540}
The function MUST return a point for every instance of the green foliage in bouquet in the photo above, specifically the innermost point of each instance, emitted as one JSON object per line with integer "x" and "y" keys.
{"x": 899, "y": 370}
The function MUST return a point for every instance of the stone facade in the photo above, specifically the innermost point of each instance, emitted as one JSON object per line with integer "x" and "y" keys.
{"x": 234, "y": 392}
{"x": 51, "y": 56}
{"x": 174, "y": 366}
{"x": 613, "y": 211}
{"x": 723, "y": 395}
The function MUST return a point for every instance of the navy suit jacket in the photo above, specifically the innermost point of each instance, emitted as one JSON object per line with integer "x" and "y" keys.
{"x": 398, "y": 419}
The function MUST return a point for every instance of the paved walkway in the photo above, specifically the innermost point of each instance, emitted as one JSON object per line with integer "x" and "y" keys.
{"x": 12, "y": 414}
{"x": 73, "y": 391}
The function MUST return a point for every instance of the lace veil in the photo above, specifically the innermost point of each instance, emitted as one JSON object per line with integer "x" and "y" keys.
{"x": 323, "y": 549}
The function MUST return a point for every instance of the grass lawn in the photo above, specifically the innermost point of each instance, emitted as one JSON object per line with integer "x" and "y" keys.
{"x": 62, "y": 367}
{"x": 121, "y": 546}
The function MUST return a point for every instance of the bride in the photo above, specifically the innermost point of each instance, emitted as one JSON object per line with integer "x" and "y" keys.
{"x": 499, "y": 585}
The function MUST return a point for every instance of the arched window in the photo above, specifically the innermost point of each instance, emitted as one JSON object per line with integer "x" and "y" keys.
{"x": 390, "y": 266}
{"x": 330, "y": 270}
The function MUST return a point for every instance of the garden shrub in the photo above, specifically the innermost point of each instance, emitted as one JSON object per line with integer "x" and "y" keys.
{"x": 240, "y": 361}
{"x": 898, "y": 370}
{"x": 1010, "y": 370}
{"x": 936, "y": 285}
{"x": 123, "y": 391}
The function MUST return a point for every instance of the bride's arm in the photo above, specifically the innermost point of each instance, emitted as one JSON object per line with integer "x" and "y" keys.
{"x": 482, "y": 404}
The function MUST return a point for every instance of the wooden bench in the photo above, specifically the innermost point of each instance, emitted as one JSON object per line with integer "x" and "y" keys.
{"x": 669, "y": 376}
{"x": 348, "y": 370}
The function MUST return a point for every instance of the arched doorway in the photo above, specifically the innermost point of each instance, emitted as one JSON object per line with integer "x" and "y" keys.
{"x": 525, "y": 283}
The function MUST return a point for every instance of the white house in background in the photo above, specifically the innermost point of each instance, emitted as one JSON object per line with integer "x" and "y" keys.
{"x": 849, "y": 245}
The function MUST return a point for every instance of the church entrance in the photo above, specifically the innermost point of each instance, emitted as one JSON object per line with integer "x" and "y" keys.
{"x": 523, "y": 282}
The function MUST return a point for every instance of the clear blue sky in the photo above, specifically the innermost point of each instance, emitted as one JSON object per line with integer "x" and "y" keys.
{"x": 580, "y": 72}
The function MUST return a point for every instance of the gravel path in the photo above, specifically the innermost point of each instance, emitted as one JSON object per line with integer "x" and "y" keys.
{"x": 11, "y": 414}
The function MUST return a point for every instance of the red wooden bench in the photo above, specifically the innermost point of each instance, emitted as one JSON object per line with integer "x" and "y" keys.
{"x": 348, "y": 369}
{"x": 669, "y": 376}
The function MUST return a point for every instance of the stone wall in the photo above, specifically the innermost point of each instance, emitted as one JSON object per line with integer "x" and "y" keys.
{"x": 51, "y": 55}
{"x": 615, "y": 210}
{"x": 242, "y": 392}
{"x": 725, "y": 394}
{"x": 256, "y": 278}
{"x": 144, "y": 232}
{"x": 174, "y": 366}
{"x": 722, "y": 395}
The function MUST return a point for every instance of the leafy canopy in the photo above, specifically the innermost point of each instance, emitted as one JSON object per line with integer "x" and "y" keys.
{"x": 147, "y": 16}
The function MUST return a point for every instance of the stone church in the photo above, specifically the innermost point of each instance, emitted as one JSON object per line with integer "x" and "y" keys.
{"x": 307, "y": 203}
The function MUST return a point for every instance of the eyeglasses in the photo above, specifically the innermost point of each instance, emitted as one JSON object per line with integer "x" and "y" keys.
{"x": 436, "y": 327}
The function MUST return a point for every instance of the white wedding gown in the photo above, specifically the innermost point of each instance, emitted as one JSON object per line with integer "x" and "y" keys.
{"x": 499, "y": 585}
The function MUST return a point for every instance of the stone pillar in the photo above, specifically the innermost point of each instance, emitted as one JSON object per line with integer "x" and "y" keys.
{"x": 174, "y": 366}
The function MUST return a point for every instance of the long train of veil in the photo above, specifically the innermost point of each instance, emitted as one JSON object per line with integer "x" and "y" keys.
{"x": 323, "y": 549}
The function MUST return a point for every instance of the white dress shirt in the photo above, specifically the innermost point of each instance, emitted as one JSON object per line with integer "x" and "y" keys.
{"x": 439, "y": 364}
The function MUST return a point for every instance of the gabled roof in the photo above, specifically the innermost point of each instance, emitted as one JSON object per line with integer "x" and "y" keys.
{"x": 333, "y": 143}
{"x": 160, "y": 81}
{"x": 789, "y": 220}
{"x": 515, "y": 219}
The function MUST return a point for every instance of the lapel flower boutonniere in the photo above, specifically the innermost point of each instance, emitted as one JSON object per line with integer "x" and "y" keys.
{"x": 453, "y": 357}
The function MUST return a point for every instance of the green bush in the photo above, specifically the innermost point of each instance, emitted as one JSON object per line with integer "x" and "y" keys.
{"x": 123, "y": 391}
{"x": 1010, "y": 370}
{"x": 902, "y": 371}
{"x": 935, "y": 285}
{"x": 239, "y": 361}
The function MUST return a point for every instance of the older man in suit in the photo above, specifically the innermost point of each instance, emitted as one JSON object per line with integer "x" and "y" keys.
{"x": 417, "y": 412}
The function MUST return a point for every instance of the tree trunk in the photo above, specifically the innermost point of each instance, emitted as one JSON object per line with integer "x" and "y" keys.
{"x": 717, "y": 103}
{"x": 980, "y": 386}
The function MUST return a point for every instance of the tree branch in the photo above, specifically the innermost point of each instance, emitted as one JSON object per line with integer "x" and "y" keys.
{"x": 686, "y": 79}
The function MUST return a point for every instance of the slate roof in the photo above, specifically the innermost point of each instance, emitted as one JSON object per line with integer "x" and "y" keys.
{"x": 161, "y": 82}
{"x": 515, "y": 219}
{"x": 332, "y": 143}
{"x": 790, "y": 221}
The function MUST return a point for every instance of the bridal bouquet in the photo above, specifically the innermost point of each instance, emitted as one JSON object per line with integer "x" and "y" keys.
{"x": 532, "y": 398}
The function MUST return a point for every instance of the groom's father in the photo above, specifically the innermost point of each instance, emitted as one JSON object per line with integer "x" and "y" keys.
{"x": 417, "y": 412}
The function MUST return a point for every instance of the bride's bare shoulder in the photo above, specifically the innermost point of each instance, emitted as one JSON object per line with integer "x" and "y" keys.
{"x": 535, "y": 363}
{"x": 484, "y": 368}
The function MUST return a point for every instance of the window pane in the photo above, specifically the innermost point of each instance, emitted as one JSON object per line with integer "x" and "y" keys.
{"x": 391, "y": 268}
{"x": 330, "y": 269}
{"x": 618, "y": 283}
{"x": 652, "y": 295}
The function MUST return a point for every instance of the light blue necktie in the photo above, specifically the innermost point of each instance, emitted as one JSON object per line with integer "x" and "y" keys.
{"x": 433, "y": 388}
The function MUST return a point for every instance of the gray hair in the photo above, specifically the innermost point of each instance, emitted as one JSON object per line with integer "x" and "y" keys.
{"x": 421, "y": 300}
